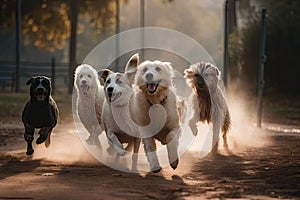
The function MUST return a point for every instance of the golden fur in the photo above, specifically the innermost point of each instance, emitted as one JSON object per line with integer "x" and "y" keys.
{"x": 164, "y": 95}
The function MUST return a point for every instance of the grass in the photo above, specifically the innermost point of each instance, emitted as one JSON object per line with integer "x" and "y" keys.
{"x": 12, "y": 104}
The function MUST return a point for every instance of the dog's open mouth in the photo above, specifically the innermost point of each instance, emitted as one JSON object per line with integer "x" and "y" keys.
{"x": 84, "y": 89}
{"x": 40, "y": 95}
{"x": 152, "y": 87}
{"x": 113, "y": 97}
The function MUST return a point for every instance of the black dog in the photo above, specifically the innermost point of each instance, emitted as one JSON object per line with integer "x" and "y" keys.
{"x": 40, "y": 112}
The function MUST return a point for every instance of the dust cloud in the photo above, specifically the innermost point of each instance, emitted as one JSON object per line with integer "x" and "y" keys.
{"x": 65, "y": 147}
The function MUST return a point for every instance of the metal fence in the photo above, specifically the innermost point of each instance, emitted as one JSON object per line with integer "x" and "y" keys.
{"x": 58, "y": 72}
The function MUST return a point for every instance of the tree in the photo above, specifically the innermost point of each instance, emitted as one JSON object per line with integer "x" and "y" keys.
{"x": 283, "y": 30}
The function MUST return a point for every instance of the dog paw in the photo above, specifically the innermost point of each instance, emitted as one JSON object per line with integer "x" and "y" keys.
{"x": 42, "y": 138}
{"x": 29, "y": 152}
{"x": 110, "y": 150}
{"x": 174, "y": 164}
{"x": 156, "y": 169}
{"x": 90, "y": 141}
{"x": 121, "y": 152}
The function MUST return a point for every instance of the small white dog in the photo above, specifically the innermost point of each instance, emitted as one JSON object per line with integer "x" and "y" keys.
{"x": 90, "y": 98}
{"x": 117, "y": 109}
{"x": 209, "y": 102}
{"x": 155, "y": 87}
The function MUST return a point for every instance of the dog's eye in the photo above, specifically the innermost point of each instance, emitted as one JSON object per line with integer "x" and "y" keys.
{"x": 44, "y": 82}
{"x": 89, "y": 76}
{"x": 108, "y": 81}
{"x": 145, "y": 69}
{"x": 119, "y": 81}
{"x": 81, "y": 76}
{"x": 157, "y": 69}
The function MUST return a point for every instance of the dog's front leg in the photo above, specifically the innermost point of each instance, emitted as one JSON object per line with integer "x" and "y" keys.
{"x": 172, "y": 146}
{"x": 113, "y": 139}
{"x": 150, "y": 149}
{"x": 28, "y": 136}
{"x": 193, "y": 101}
{"x": 193, "y": 123}
{"x": 44, "y": 133}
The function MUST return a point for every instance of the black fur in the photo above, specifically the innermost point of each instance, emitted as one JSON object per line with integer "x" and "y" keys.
{"x": 40, "y": 112}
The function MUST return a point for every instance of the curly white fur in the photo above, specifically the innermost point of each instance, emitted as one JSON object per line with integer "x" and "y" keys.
{"x": 90, "y": 98}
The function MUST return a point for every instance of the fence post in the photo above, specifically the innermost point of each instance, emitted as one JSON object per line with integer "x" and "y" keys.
{"x": 18, "y": 44}
{"x": 53, "y": 74}
{"x": 262, "y": 60}
{"x": 226, "y": 57}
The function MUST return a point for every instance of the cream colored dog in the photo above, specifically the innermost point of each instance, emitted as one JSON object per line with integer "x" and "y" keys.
{"x": 90, "y": 98}
{"x": 155, "y": 87}
{"x": 208, "y": 102}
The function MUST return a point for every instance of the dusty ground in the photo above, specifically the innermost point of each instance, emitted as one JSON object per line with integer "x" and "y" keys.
{"x": 267, "y": 171}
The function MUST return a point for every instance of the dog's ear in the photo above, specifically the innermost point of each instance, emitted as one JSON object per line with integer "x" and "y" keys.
{"x": 131, "y": 67}
{"x": 168, "y": 65}
{"x": 103, "y": 74}
{"x": 30, "y": 81}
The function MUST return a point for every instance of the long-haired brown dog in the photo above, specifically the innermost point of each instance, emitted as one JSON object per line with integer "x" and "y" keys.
{"x": 209, "y": 102}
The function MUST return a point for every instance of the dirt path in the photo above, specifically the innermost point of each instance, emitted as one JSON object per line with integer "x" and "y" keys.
{"x": 264, "y": 172}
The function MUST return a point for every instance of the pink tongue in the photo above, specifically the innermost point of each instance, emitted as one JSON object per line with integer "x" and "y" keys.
{"x": 40, "y": 96}
{"x": 151, "y": 86}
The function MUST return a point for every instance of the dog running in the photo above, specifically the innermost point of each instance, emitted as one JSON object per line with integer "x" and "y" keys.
{"x": 40, "y": 112}
{"x": 209, "y": 102}
{"x": 117, "y": 107}
{"x": 90, "y": 98}
{"x": 155, "y": 87}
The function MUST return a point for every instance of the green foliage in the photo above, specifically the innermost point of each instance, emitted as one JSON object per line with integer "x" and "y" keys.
{"x": 46, "y": 24}
{"x": 282, "y": 45}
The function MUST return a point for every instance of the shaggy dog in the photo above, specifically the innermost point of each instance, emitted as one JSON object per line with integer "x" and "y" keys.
{"x": 117, "y": 108}
{"x": 208, "y": 101}
{"x": 40, "y": 112}
{"x": 90, "y": 98}
{"x": 155, "y": 87}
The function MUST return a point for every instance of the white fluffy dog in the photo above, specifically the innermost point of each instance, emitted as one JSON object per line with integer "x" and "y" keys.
{"x": 155, "y": 87}
{"x": 90, "y": 98}
{"x": 209, "y": 102}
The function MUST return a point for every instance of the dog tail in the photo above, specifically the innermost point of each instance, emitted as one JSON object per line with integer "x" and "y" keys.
{"x": 227, "y": 123}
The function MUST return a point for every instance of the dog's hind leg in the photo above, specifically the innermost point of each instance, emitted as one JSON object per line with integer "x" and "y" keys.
{"x": 136, "y": 146}
{"x": 150, "y": 149}
{"x": 172, "y": 147}
{"x": 44, "y": 133}
{"x": 28, "y": 136}
{"x": 215, "y": 138}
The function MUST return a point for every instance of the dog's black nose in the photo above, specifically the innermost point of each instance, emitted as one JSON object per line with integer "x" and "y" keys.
{"x": 109, "y": 89}
{"x": 149, "y": 76}
{"x": 83, "y": 82}
{"x": 40, "y": 90}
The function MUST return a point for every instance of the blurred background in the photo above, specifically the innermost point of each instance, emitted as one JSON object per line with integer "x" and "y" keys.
{"x": 51, "y": 37}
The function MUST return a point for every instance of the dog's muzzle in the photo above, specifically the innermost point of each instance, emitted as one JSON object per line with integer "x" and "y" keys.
{"x": 40, "y": 93}
{"x": 152, "y": 86}
{"x": 84, "y": 87}
{"x": 111, "y": 95}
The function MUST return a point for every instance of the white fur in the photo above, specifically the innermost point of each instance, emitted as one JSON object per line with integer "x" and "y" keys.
{"x": 211, "y": 76}
{"x": 117, "y": 110}
{"x": 90, "y": 98}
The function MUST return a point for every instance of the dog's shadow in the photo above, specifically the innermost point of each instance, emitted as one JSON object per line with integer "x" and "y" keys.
{"x": 12, "y": 165}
